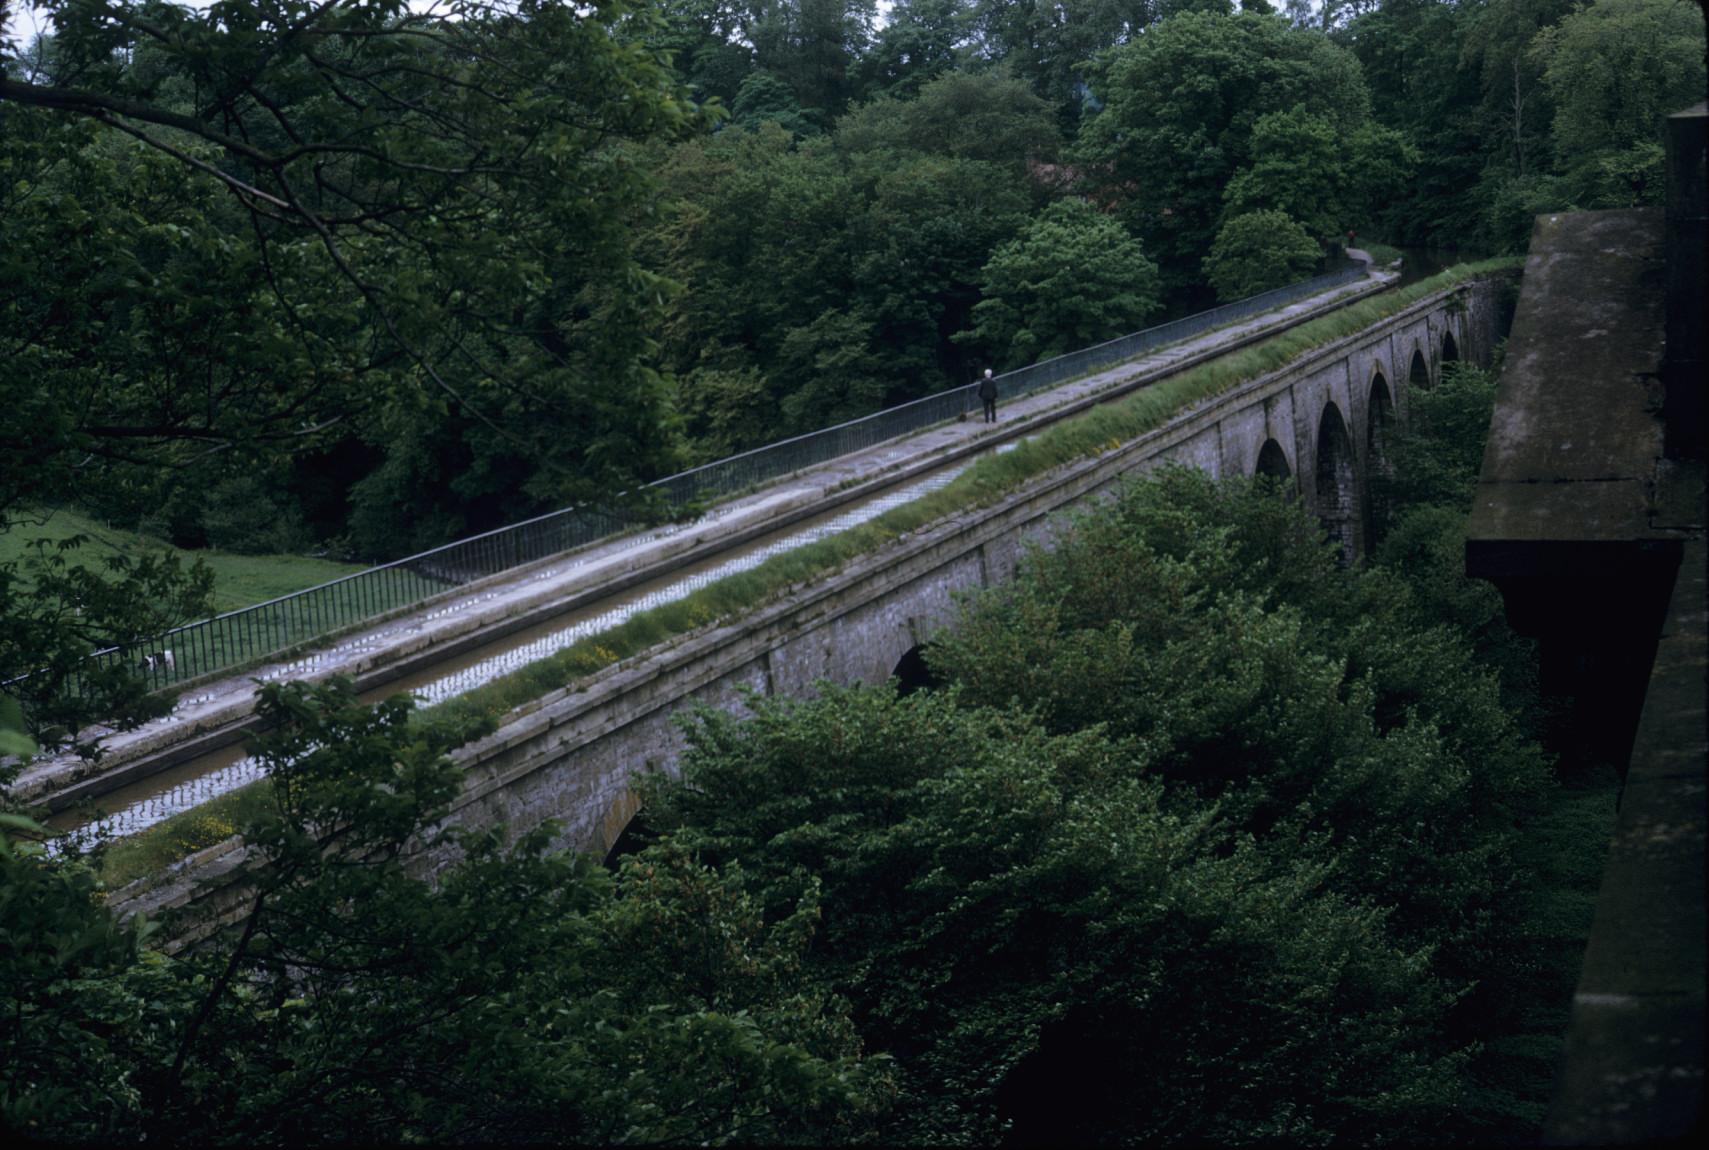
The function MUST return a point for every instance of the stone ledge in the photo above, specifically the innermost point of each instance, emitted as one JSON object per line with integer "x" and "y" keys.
{"x": 1574, "y": 439}
{"x": 1634, "y": 1071}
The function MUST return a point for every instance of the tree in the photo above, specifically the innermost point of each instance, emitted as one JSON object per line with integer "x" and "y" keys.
{"x": 1051, "y": 45}
{"x": 450, "y": 192}
{"x": 1438, "y": 454}
{"x": 1206, "y": 623}
{"x": 237, "y": 235}
{"x": 814, "y": 45}
{"x": 1411, "y": 52}
{"x": 920, "y": 41}
{"x": 823, "y": 279}
{"x": 1191, "y": 804}
{"x": 927, "y": 228}
{"x": 986, "y": 116}
{"x": 1179, "y": 108}
{"x": 1499, "y": 38}
{"x": 1072, "y": 278}
{"x": 706, "y": 43}
{"x": 1614, "y": 70}
{"x": 1327, "y": 181}
{"x": 756, "y": 232}
{"x": 75, "y": 989}
{"x": 828, "y": 371}
{"x": 354, "y": 1001}
{"x": 1425, "y": 496}
{"x": 13, "y": 741}
{"x": 1021, "y": 918}
{"x": 1299, "y": 168}
{"x": 57, "y": 612}
{"x": 763, "y": 97}
{"x": 1258, "y": 251}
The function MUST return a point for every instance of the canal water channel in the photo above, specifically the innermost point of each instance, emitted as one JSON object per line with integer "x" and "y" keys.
{"x": 129, "y": 809}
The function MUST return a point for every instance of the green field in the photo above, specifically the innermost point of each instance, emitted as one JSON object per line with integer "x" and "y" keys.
{"x": 239, "y": 580}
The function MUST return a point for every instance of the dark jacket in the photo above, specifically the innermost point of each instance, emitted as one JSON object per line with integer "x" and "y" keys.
{"x": 988, "y": 388}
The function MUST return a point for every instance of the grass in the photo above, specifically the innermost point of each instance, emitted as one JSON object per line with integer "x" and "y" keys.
{"x": 239, "y": 580}
{"x": 471, "y": 715}
{"x": 153, "y": 850}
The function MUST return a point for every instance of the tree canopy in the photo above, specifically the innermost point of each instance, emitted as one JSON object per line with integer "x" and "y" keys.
{"x": 1614, "y": 69}
{"x": 1181, "y": 104}
{"x": 524, "y": 996}
{"x": 1072, "y": 278}
{"x": 243, "y": 237}
{"x": 1187, "y": 797}
{"x": 1189, "y": 803}
{"x": 1257, "y": 251}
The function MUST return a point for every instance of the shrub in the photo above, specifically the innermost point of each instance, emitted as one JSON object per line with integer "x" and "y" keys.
{"x": 1258, "y": 251}
{"x": 239, "y": 515}
{"x": 1073, "y": 278}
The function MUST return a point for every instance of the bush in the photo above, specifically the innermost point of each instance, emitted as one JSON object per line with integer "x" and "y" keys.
{"x": 1072, "y": 279}
{"x": 239, "y": 515}
{"x": 1258, "y": 251}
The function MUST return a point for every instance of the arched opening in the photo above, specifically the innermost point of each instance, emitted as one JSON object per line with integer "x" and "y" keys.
{"x": 636, "y": 836}
{"x": 1379, "y": 428}
{"x": 1337, "y": 501}
{"x": 912, "y": 674}
{"x": 1419, "y": 376}
{"x": 1273, "y": 465}
{"x": 1450, "y": 349}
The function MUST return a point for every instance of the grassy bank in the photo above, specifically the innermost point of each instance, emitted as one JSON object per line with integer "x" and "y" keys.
{"x": 469, "y": 716}
{"x": 239, "y": 580}
{"x": 128, "y": 859}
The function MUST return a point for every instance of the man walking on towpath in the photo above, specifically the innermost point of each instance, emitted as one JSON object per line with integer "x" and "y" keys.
{"x": 988, "y": 396}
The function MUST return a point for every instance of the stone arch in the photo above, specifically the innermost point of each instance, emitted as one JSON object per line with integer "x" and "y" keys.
{"x": 1450, "y": 349}
{"x": 1419, "y": 375}
{"x": 1273, "y": 462}
{"x": 912, "y": 673}
{"x": 623, "y": 828}
{"x": 1337, "y": 491}
{"x": 1379, "y": 468}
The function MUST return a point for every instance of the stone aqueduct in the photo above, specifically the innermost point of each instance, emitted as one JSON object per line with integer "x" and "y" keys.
{"x": 1328, "y": 448}
{"x": 1323, "y": 424}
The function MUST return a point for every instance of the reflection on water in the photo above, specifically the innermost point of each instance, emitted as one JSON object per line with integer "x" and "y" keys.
{"x": 164, "y": 795}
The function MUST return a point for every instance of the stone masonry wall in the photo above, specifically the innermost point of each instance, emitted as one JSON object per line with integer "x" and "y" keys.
{"x": 570, "y": 756}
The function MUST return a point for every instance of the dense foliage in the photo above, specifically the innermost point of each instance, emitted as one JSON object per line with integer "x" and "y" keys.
{"x": 273, "y": 272}
{"x": 526, "y": 996}
{"x": 1203, "y": 840}
{"x": 1193, "y": 803}
{"x": 1072, "y": 278}
{"x": 430, "y": 268}
{"x": 1191, "y": 798}
{"x": 1258, "y": 251}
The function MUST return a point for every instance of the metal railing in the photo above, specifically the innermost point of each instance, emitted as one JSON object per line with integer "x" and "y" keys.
{"x": 254, "y": 632}
{"x": 750, "y": 468}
